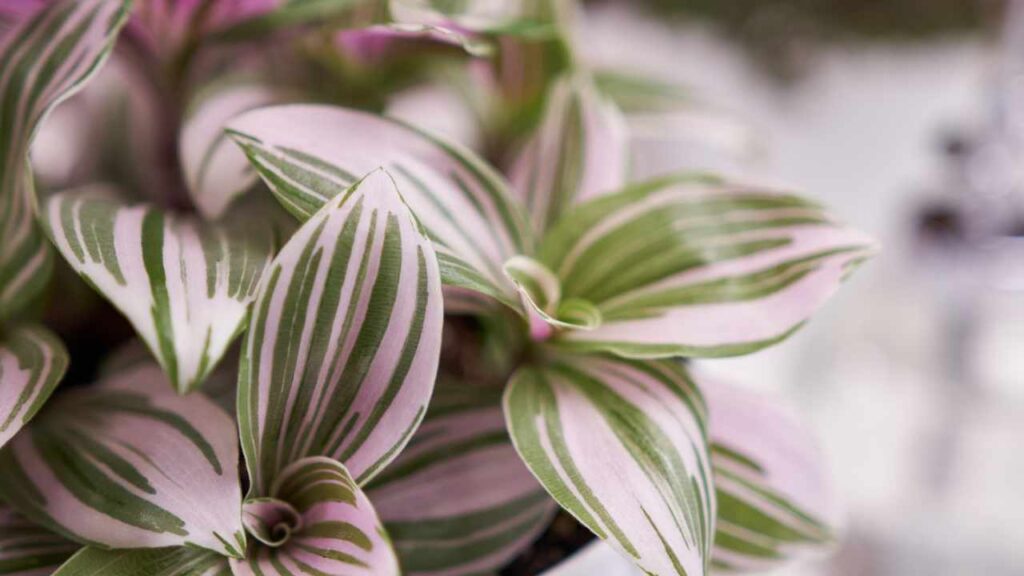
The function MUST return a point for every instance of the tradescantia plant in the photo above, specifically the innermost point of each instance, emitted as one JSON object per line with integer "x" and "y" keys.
{"x": 567, "y": 295}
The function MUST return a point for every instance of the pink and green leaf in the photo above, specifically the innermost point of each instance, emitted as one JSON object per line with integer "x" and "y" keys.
{"x": 458, "y": 500}
{"x": 27, "y": 549}
{"x": 578, "y": 152}
{"x": 621, "y": 444}
{"x": 343, "y": 348}
{"x": 43, "y": 61}
{"x": 129, "y": 464}
{"x": 215, "y": 170}
{"x": 172, "y": 561}
{"x": 310, "y": 154}
{"x": 331, "y": 529}
{"x": 695, "y": 267}
{"x": 32, "y": 362}
{"x": 184, "y": 285}
{"x": 527, "y": 17}
{"x": 775, "y": 500}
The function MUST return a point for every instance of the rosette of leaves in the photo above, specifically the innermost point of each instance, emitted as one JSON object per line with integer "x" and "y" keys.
{"x": 610, "y": 282}
{"x": 590, "y": 288}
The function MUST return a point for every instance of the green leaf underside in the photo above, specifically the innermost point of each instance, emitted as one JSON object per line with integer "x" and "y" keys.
{"x": 185, "y": 286}
{"x": 458, "y": 501}
{"x": 339, "y": 531}
{"x": 342, "y": 353}
{"x": 174, "y": 561}
{"x": 27, "y": 549}
{"x": 32, "y": 362}
{"x": 42, "y": 62}
{"x": 690, "y": 266}
{"x": 307, "y": 155}
{"x": 621, "y": 444}
{"x": 129, "y": 464}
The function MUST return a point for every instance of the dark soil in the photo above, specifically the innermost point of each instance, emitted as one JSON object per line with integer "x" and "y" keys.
{"x": 564, "y": 537}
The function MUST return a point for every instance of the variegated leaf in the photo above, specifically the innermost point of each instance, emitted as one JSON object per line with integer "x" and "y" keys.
{"x": 343, "y": 348}
{"x": 309, "y": 154}
{"x": 43, "y": 61}
{"x": 185, "y": 286}
{"x": 27, "y": 549}
{"x": 458, "y": 501}
{"x": 696, "y": 267}
{"x": 32, "y": 362}
{"x": 331, "y": 527}
{"x": 216, "y": 171}
{"x": 129, "y": 464}
{"x": 507, "y": 17}
{"x": 775, "y": 499}
{"x": 174, "y": 561}
{"x": 621, "y": 444}
{"x": 577, "y": 153}
{"x": 371, "y": 46}
{"x": 287, "y": 15}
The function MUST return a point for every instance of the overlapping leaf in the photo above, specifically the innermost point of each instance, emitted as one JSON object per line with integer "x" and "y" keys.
{"x": 343, "y": 348}
{"x": 43, "y": 61}
{"x": 334, "y": 528}
{"x": 216, "y": 171}
{"x": 509, "y": 17}
{"x": 32, "y": 362}
{"x": 458, "y": 500}
{"x": 185, "y": 287}
{"x": 149, "y": 562}
{"x": 129, "y": 464}
{"x": 577, "y": 153}
{"x": 621, "y": 444}
{"x": 683, "y": 266}
{"x": 775, "y": 501}
{"x": 27, "y": 549}
{"x": 309, "y": 154}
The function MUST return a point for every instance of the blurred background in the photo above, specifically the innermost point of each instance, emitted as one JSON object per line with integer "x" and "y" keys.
{"x": 906, "y": 117}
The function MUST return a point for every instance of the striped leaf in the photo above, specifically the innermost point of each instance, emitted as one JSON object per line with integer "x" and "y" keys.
{"x": 216, "y": 171}
{"x": 507, "y": 17}
{"x": 458, "y": 501}
{"x": 577, "y": 153}
{"x": 309, "y": 154}
{"x": 32, "y": 362}
{"x": 287, "y": 15}
{"x": 175, "y": 561}
{"x": 343, "y": 349}
{"x": 27, "y": 549}
{"x": 43, "y": 61}
{"x": 696, "y": 267}
{"x": 185, "y": 286}
{"x": 129, "y": 464}
{"x": 333, "y": 528}
{"x": 621, "y": 444}
{"x": 775, "y": 500}
{"x": 372, "y": 46}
